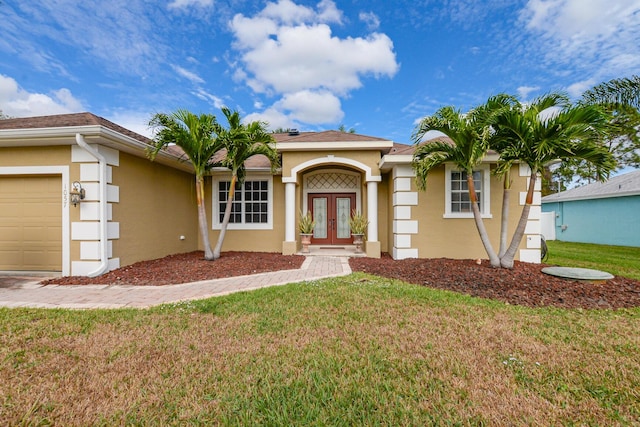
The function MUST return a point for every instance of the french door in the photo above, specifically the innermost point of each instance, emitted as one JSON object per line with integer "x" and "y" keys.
{"x": 331, "y": 213}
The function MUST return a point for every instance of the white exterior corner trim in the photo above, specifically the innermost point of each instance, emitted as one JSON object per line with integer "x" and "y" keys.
{"x": 330, "y": 159}
{"x": 103, "y": 210}
{"x": 530, "y": 255}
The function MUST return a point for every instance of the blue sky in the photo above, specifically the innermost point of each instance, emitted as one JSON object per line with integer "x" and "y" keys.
{"x": 373, "y": 65}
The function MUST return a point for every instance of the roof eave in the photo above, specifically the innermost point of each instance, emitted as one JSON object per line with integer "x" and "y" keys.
{"x": 334, "y": 145}
{"x": 591, "y": 197}
{"x": 249, "y": 169}
{"x": 66, "y": 136}
{"x": 388, "y": 161}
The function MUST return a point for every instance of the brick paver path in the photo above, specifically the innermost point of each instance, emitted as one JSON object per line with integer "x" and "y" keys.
{"x": 118, "y": 296}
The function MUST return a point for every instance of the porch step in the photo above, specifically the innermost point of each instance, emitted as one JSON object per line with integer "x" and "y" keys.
{"x": 343, "y": 250}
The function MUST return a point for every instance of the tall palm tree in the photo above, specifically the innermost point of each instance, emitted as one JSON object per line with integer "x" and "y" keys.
{"x": 240, "y": 142}
{"x": 469, "y": 144}
{"x": 195, "y": 135}
{"x": 548, "y": 129}
{"x": 485, "y": 114}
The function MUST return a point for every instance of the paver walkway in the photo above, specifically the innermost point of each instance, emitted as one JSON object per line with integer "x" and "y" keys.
{"x": 117, "y": 296}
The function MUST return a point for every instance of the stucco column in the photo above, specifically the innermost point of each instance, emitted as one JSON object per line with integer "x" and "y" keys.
{"x": 290, "y": 212}
{"x": 372, "y": 210}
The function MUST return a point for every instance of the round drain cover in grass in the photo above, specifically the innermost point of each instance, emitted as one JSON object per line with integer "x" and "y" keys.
{"x": 577, "y": 273}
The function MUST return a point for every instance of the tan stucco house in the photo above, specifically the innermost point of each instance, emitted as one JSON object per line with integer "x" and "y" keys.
{"x": 135, "y": 209}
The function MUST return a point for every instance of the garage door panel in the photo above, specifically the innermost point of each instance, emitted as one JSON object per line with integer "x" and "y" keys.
{"x": 10, "y": 257}
{"x": 30, "y": 223}
{"x": 10, "y": 235}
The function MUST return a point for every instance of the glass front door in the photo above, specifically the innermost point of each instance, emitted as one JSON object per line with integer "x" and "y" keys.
{"x": 331, "y": 213}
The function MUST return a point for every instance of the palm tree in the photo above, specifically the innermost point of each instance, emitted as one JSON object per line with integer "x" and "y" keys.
{"x": 621, "y": 99}
{"x": 548, "y": 129}
{"x": 485, "y": 113}
{"x": 240, "y": 142}
{"x": 195, "y": 135}
{"x": 469, "y": 142}
{"x": 625, "y": 91}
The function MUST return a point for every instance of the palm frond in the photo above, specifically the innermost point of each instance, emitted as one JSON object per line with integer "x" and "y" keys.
{"x": 243, "y": 141}
{"x": 194, "y": 134}
{"x": 624, "y": 91}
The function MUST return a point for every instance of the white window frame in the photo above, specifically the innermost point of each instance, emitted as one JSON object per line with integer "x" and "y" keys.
{"x": 215, "y": 222}
{"x": 485, "y": 207}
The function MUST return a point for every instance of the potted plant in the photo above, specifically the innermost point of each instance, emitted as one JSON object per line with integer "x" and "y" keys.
{"x": 358, "y": 224}
{"x": 306, "y": 226}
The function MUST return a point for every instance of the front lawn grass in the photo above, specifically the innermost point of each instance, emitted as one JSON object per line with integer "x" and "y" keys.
{"x": 358, "y": 350}
{"x": 619, "y": 260}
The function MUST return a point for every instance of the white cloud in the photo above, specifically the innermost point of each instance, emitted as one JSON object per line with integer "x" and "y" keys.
{"x": 120, "y": 35}
{"x": 311, "y": 107}
{"x": 287, "y": 12}
{"x": 371, "y": 19}
{"x": 328, "y": 12}
{"x": 275, "y": 119}
{"x": 300, "y": 107}
{"x": 210, "y": 98}
{"x": 524, "y": 91}
{"x": 580, "y": 87}
{"x": 193, "y": 77}
{"x": 180, "y": 4}
{"x": 137, "y": 121}
{"x": 289, "y": 50}
{"x": 580, "y": 33}
{"x": 17, "y": 102}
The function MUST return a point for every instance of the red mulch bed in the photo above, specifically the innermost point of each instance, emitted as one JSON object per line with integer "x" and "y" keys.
{"x": 524, "y": 285}
{"x": 188, "y": 267}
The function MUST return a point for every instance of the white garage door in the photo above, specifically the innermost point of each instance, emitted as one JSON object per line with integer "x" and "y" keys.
{"x": 30, "y": 223}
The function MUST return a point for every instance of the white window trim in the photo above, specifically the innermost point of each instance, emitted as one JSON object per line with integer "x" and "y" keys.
{"x": 485, "y": 209}
{"x": 216, "y": 224}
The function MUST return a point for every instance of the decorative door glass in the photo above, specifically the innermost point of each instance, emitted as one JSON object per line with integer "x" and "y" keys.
{"x": 331, "y": 213}
{"x": 343, "y": 214}
{"x": 320, "y": 216}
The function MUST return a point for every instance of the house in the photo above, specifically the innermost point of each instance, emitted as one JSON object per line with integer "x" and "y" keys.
{"x": 602, "y": 212}
{"x": 135, "y": 209}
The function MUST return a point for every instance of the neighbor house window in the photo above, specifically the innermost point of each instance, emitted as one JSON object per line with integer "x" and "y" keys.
{"x": 252, "y": 203}
{"x": 457, "y": 200}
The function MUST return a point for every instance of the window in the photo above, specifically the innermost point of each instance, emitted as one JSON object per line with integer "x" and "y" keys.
{"x": 457, "y": 201}
{"x": 252, "y": 203}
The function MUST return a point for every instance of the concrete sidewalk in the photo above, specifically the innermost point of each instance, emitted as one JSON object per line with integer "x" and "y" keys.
{"x": 118, "y": 296}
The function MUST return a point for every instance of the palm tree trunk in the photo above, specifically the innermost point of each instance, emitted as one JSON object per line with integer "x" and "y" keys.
{"x": 202, "y": 218}
{"x": 507, "y": 260}
{"x": 504, "y": 224}
{"x": 227, "y": 215}
{"x": 484, "y": 237}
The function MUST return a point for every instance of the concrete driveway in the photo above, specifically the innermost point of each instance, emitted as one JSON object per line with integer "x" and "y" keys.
{"x": 24, "y": 279}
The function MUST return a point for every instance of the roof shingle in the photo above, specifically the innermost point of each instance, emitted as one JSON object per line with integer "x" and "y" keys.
{"x": 69, "y": 120}
{"x": 627, "y": 184}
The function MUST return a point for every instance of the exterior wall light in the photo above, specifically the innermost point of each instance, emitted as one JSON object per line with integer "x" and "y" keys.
{"x": 77, "y": 193}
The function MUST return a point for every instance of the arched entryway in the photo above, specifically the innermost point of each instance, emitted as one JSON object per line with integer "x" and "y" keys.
{"x": 323, "y": 165}
{"x": 331, "y": 195}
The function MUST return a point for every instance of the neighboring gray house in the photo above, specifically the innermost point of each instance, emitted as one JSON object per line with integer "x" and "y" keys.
{"x": 606, "y": 213}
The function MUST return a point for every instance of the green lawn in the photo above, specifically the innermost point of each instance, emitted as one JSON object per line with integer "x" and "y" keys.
{"x": 620, "y": 260}
{"x": 358, "y": 350}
